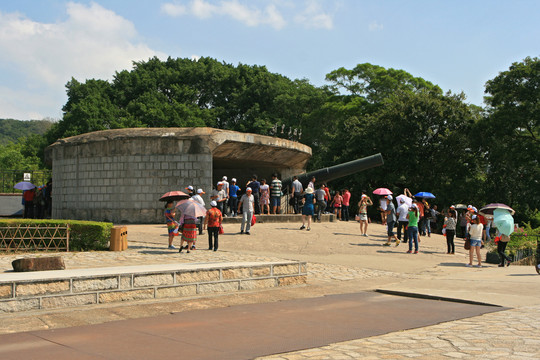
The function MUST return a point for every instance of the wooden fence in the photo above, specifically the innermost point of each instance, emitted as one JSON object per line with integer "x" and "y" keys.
{"x": 20, "y": 238}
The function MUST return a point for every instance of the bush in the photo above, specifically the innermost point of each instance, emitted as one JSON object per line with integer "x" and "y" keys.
{"x": 84, "y": 235}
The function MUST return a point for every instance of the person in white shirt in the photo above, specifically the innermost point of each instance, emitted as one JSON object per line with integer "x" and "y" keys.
{"x": 476, "y": 230}
{"x": 247, "y": 202}
{"x": 402, "y": 211}
{"x": 226, "y": 188}
{"x": 297, "y": 189}
{"x": 198, "y": 198}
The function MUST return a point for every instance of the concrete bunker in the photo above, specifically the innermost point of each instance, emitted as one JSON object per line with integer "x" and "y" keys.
{"x": 119, "y": 175}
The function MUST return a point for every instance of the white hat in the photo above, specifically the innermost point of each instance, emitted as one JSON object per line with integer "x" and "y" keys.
{"x": 213, "y": 203}
{"x": 309, "y": 190}
{"x": 452, "y": 207}
{"x": 189, "y": 188}
{"x": 200, "y": 191}
{"x": 224, "y": 178}
{"x": 248, "y": 189}
{"x": 473, "y": 217}
{"x": 389, "y": 197}
{"x": 219, "y": 183}
{"x": 233, "y": 180}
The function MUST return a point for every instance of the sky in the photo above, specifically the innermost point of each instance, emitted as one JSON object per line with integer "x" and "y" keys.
{"x": 458, "y": 44}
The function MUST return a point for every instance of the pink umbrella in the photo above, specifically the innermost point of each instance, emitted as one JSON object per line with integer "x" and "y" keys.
{"x": 382, "y": 191}
{"x": 191, "y": 208}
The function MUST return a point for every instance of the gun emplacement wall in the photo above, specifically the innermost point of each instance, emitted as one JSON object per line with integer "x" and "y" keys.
{"x": 119, "y": 175}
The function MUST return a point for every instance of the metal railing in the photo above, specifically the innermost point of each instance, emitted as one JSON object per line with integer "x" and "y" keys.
{"x": 8, "y": 179}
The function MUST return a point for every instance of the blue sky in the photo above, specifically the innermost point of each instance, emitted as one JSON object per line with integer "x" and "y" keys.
{"x": 457, "y": 44}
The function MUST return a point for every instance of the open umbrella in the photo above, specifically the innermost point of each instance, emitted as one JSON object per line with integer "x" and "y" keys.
{"x": 489, "y": 208}
{"x": 24, "y": 185}
{"x": 192, "y": 208}
{"x": 504, "y": 221}
{"x": 407, "y": 200}
{"x": 424, "y": 194}
{"x": 461, "y": 207}
{"x": 174, "y": 196}
{"x": 382, "y": 191}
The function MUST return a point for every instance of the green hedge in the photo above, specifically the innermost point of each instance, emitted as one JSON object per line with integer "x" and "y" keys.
{"x": 83, "y": 236}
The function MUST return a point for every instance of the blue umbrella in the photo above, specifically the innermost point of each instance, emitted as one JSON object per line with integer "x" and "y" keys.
{"x": 24, "y": 185}
{"x": 504, "y": 221}
{"x": 424, "y": 194}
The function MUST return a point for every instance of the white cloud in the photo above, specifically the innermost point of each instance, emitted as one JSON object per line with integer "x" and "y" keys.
{"x": 248, "y": 15}
{"x": 92, "y": 42}
{"x": 314, "y": 16}
{"x": 375, "y": 26}
{"x": 173, "y": 9}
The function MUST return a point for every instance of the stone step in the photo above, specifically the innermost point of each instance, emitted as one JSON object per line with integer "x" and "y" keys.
{"x": 67, "y": 288}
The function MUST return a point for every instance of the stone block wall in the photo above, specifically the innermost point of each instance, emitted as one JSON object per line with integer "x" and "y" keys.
{"x": 124, "y": 186}
{"x": 69, "y": 291}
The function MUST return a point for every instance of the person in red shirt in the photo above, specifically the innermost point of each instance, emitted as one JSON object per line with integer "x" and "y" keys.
{"x": 345, "y": 205}
{"x": 28, "y": 196}
{"x": 212, "y": 222}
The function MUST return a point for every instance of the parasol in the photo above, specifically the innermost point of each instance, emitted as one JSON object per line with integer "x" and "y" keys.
{"x": 24, "y": 185}
{"x": 489, "y": 208}
{"x": 174, "y": 196}
{"x": 424, "y": 194}
{"x": 405, "y": 198}
{"x": 191, "y": 208}
{"x": 504, "y": 221}
{"x": 382, "y": 191}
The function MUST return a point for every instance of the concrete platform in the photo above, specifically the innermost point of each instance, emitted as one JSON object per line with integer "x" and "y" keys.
{"x": 239, "y": 332}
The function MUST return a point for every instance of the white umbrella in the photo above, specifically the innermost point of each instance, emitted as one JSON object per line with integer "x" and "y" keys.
{"x": 405, "y": 198}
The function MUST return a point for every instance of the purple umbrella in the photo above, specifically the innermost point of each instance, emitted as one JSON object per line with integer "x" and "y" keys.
{"x": 24, "y": 185}
{"x": 488, "y": 209}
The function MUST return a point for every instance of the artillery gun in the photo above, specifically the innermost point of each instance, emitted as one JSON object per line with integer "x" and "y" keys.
{"x": 337, "y": 171}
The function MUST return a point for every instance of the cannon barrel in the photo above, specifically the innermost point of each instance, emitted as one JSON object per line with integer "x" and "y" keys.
{"x": 337, "y": 171}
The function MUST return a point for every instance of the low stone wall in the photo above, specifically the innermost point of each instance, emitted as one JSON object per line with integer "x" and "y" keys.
{"x": 67, "y": 288}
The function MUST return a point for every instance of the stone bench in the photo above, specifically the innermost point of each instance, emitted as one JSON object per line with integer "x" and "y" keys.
{"x": 68, "y": 288}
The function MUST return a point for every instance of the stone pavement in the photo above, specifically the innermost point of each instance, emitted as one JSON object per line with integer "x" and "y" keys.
{"x": 511, "y": 334}
{"x": 339, "y": 261}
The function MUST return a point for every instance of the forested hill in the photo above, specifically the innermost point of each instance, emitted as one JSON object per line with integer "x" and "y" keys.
{"x": 11, "y": 130}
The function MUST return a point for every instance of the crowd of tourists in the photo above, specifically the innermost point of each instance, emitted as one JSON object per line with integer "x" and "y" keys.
{"x": 412, "y": 218}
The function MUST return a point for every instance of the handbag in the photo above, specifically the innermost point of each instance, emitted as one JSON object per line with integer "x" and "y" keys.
{"x": 467, "y": 244}
{"x": 357, "y": 217}
{"x": 253, "y": 220}
{"x": 221, "y": 231}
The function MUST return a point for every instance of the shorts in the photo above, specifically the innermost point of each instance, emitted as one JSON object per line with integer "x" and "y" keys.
{"x": 390, "y": 230}
{"x": 363, "y": 217}
{"x": 476, "y": 243}
{"x": 275, "y": 201}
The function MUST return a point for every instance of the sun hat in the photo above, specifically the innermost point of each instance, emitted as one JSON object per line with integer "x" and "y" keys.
{"x": 189, "y": 188}
{"x": 389, "y": 197}
{"x": 248, "y": 189}
{"x": 213, "y": 203}
{"x": 224, "y": 178}
{"x": 309, "y": 190}
{"x": 233, "y": 180}
{"x": 200, "y": 191}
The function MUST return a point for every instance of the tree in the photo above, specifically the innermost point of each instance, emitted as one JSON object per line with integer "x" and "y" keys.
{"x": 183, "y": 92}
{"x": 509, "y": 136}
